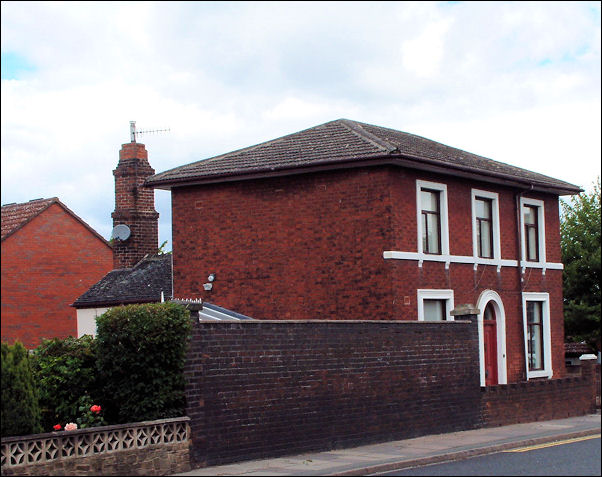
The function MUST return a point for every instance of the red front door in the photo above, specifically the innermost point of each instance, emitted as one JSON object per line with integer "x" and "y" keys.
{"x": 490, "y": 344}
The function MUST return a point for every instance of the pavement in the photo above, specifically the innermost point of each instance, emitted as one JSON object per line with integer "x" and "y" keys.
{"x": 388, "y": 456}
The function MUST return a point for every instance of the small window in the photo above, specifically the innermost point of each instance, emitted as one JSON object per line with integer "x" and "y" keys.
{"x": 530, "y": 220}
{"x": 435, "y": 305}
{"x": 431, "y": 221}
{"x": 535, "y": 347}
{"x": 485, "y": 226}
{"x": 434, "y": 310}
{"x": 484, "y": 223}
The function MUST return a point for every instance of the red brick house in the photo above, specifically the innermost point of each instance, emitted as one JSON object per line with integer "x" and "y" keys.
{"x": 50, "y": 256}
{"x": 350, "y": 221}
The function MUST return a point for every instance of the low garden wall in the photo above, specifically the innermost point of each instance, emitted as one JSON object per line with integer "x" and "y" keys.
{"x": 540, "y": 400}
{"x": 144, "y": 448}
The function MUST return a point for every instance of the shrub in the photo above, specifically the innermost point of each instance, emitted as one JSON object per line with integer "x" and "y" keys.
{"x": 65, "y": 370}
{"x": 20, "y": 408}
{"x": 90, "y": 415}
{"x": 141, "y": 354}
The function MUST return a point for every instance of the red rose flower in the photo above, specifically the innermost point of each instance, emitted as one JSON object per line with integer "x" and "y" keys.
{"x": 57, "y": 427}
{"x": 95, "y": 409}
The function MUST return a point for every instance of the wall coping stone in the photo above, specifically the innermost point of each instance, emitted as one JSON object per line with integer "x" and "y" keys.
{"x": 466, "y": 309}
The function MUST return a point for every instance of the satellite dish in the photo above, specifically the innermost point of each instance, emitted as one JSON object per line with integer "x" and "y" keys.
{"x": 120, "y": 232}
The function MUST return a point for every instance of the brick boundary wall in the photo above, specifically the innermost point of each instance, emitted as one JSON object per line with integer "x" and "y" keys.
{"x": 262, "y": 389}
{"x": 144, "y": 448}
{"x": 268, "y": 388}
{"x": 539, "y": 400}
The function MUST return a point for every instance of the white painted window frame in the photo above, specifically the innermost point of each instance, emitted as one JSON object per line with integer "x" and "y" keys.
{"x": 435, "y": 294}
{"x": 445, "y": 257}
{"x": 443, "y": 217}
{"x": 544, "y": 298}
{"x": 495, "y": 225}
{"x": 541, "y": 234}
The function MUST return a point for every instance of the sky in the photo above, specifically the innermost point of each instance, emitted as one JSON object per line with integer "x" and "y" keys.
{"x": 518, "y": 82}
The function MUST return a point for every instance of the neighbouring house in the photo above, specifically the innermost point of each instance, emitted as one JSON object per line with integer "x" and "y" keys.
{"x": 149, "y": 281}
{"x": 351, "y": 221}
{"x": 50, "y": 256}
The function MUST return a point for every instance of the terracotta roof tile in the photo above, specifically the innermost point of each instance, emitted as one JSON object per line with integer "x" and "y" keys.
{"x": 15, "y": 216}
{"x": 577, "y": 348}
{"x": 341, "y": 143}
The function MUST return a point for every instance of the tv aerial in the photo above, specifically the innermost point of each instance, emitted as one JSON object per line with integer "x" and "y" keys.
{"x": 120, "y": 232}
{"x": 134, "y": 133}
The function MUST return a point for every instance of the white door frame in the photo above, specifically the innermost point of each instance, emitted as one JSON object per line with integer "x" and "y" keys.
{"x": 500, "y": 318}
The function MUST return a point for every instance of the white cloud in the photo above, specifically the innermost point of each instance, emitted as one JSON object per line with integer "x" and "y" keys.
{"x": 422, "y": 55}
{"x": 511, "y": 81}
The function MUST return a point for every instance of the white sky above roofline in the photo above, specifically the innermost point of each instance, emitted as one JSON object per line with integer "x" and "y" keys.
{"x": 515, "y": 82}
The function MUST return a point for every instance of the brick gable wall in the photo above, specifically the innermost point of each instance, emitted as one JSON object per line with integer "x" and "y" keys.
{"x": 46, "y": 265}
{"x": 299, "y": 248}
{"x": 311, "y": 246}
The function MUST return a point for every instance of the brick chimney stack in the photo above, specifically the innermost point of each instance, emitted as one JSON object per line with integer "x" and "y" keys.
{"x": 134, "y": 207}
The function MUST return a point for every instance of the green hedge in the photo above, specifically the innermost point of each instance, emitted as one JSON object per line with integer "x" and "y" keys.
{"x": 20, "y": 409}
{"x": 67, "y": 377}
{"x": 141, "y": 351}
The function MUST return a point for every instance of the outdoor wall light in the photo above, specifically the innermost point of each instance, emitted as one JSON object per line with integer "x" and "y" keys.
{"x": 209, "y": 286}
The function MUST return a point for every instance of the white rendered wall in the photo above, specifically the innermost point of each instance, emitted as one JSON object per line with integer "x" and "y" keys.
{"x": 86, "y": 320}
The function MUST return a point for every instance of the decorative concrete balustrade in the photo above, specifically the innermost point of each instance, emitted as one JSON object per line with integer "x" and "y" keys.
{"x": 151, "y": 448}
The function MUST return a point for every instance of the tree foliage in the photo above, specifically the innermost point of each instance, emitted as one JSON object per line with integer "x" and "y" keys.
{"x": 20, "y": 409}
{"x": 580, "y": 244}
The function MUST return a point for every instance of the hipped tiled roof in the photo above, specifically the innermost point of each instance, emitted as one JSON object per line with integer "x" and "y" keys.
{"x": 345, "y": 143}
{"x": 142, "y": 283}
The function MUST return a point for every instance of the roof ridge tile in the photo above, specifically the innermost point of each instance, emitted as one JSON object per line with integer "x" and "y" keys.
{"x": 357, "y": 129}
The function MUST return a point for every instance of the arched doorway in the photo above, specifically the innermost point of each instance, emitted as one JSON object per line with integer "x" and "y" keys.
{"x": 490, "y": 344}
{"x": 492, "y": 339}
